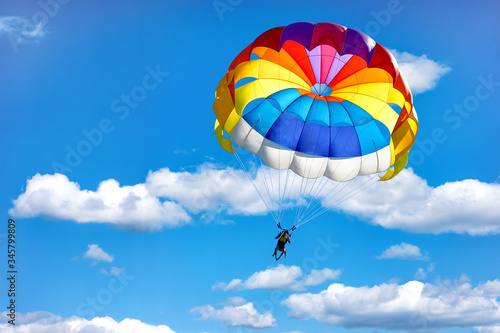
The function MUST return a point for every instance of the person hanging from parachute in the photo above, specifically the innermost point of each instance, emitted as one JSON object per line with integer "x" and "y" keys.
{"x": 283, "y": 237}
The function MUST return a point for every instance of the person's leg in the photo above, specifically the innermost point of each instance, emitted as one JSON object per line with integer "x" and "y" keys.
{"x": 284, "y": 253}
{"x": 278, "y": 258}
{"x": 275, "y": 250}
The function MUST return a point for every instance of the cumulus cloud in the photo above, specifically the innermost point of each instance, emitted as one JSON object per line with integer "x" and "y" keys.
{"x": 96, "y": 253}
{"x": 45, "y": 322}
{"x": 165, "y": 199}
{"x": 421, "y": 72}
{"x": 20, "y": 30}
{"x": 56, "y": 197}
{"x": 236, "y": 314}
{"x": 170, "y": 199}
{"x": 208, "y": 189}
{"x": 407, "y": 202}
{"x": 413, "y": 306}
{"x": 280, "y": 277}
{"x": 403, "y": 251}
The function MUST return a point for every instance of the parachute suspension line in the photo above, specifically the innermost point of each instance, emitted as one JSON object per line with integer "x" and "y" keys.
{"x": 282, "y": 195}
{"x": 252, "y": 181}
{"x": 273, "y": 193}
{"x": 313, "y": 194}
{"x": 339, "y": 201}
{"x": 308, "y": 196}
{"x": 317, "y": 205}
{"x": 253, "y": 184}
{"x": 304, "y": 195}
{"x": 259, "y": 173}
{"x": 292, "y": 186}
{"x": 360, "y": 188}
{"x": 281, "y": 213}
{"x": 354, "y": 192}
{"x": 263, "y": 171}
{"x": 267, "y": 174}
{"x": 271, "y": 183}
{"x": 326, "y": 181}
{"x": 334, "y": 191}
{"x": 312, "y": 197}
{"x": 301, "y": 198}
{"x": 301, "y": 191}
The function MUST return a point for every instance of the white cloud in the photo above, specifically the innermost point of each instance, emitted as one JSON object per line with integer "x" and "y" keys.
{"x": 407, "y": 202}
{"x": 403, "y": 251}
{"x": 21, "y": 30}
{"x": 113, "y": 271}
{"x": 55, "y": 197}
{"x": 422, "y": 273}
{"x": 412, "y": 306}
{"x": 214, "y": 217}
{"x": 234, "y": 315}
{"x": 116, "y": 271}
{"x": 421, "y": 72}
{"x": 317, "y": 277}
{"x": 235, "y": 301}
{"x": 45, "y": 322}
{"x": 164, "y": 200}
{"x": 208, "y": 189}
{"x": 490, "y": 329}
{"x": 169, "y": 199}
{"x": 280, "y": 277}
{"x": 98, "y": 254}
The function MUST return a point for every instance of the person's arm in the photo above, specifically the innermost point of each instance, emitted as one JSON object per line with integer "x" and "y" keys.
{"x": 278, "y": 236}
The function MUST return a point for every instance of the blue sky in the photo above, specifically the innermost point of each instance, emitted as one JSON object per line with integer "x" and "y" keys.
{"x": 193, "y": 253}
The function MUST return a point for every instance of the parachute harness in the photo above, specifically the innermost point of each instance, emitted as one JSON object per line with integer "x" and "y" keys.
{"x": 292, "y": 229}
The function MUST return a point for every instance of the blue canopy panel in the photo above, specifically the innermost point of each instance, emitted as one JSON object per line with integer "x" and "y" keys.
{"x": 284, "y": 98}
{"x": 262, "y": 117}
{"x": 344, "y": 142}
{"x": 373, "y": 136}
{"x": 314, "y": 140}
{"x": 300, "y": 107}
{"x": 316, "y": 127}
{"x": 286, "y": 131}
{"x": 339, "y": 115}
{"x": 319, "y": 113}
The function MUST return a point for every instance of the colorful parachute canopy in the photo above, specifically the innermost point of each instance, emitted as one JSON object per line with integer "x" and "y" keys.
{"x": 319, "y": 99}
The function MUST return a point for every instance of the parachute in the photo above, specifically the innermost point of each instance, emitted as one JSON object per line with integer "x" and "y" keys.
{"x": 315, "y": 113}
